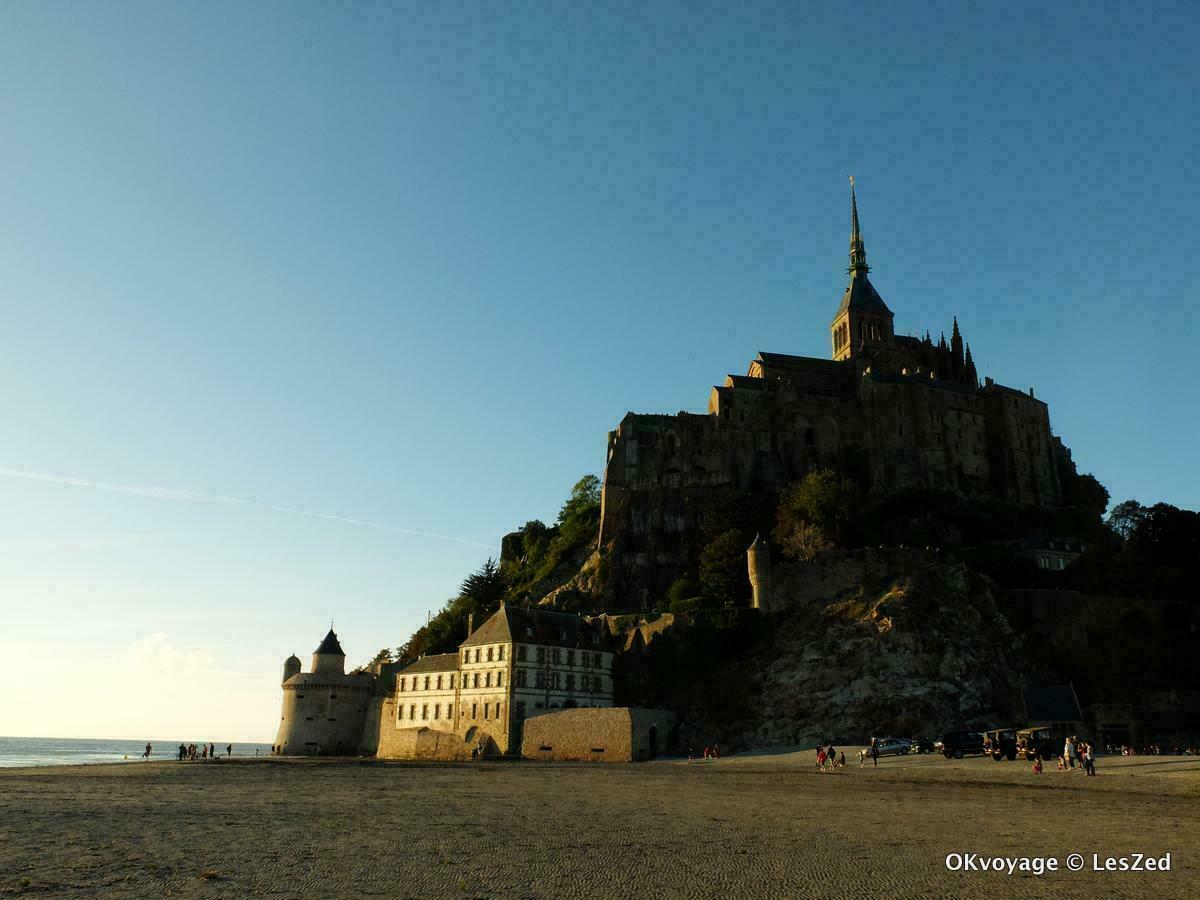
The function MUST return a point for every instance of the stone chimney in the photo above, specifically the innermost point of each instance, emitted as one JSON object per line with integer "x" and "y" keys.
{"x": 470, "y": 623}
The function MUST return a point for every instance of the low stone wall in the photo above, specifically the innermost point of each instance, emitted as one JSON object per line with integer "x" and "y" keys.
{"x": 618, "y": 734}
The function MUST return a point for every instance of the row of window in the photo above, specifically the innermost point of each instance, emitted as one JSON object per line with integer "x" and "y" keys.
{"x": 484, "y": 654}
{"x": 440, "y": 682}
{"x": 557, "y": 681}
{"x": 488, "y": 710}
{"x": 556, "y": 655}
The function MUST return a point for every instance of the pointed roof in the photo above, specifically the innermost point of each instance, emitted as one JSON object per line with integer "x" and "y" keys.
{"x": 860, "y": 295}
{"x": 536, "y": 625}
{"x": 330, "y": 645}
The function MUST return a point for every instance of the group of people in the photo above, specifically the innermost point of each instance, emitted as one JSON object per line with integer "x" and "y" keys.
{"x": 1076, "y": 754}
{"x": 1151, "y": 750}
{"x": 710, "y": 752}
{"x": 829, "y": 759}
{"x": 203, "y": 751}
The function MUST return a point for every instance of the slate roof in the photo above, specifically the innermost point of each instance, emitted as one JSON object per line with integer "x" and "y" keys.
{"x": 861, "y": 296}
{"x": 799, "y": 362}
{"x": 331, "y": 646}
{"x": 745, "y": 382}
{"x": 1051, "y": 703}
{"x": 435, "y": 662}
{"x": 536, "y": 626}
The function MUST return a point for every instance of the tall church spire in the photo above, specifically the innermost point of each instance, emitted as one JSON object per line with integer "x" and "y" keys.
{"x": 858, "y": 255}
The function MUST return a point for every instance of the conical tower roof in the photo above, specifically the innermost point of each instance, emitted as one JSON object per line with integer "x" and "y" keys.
{"x": 330, "y": 646}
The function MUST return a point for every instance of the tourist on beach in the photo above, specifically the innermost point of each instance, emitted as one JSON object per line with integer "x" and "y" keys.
{"x": 212, "y": 751}
{"x": 875, "y": 751}
{"x": 1037, "y": 765}
{"x": 182, "y": 752}
{"x": 819, "y": 751}
{"x": 831, "y": 754}
{"x": 841, "y": 763}
{"x": 146, "y": 755}
{"x": 228, "y": 750}
{"x": 1089, "y": 759}
{"x": 1068, "y": 754}
{"x": 204, "y": 753}
{"x": 821, "y": 758}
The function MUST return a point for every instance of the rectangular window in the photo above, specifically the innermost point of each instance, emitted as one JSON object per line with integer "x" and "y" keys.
{"x": 585, "y": 682}
{"x": 401, "y": 684}
{"x": 557, "y": 656}
{"x": 474, "y": 710}
{"x": 437, "y": 711}
{"x": 486, "y": 707}
{"x": 570, "y": 681}
{"x": 541, "y": 655}
{"x": 424, "y": 711}
{"x": 426, "y": 682}
{"x": 476, "y": 679}
{"x": 521, "y": 652}
{"x": 489, "y": 654}
{"x": 487, "y": 679}
{"x": 501, "y": 653}
{"x": 539, "y": 679}
{"x": 450, "y": 711}
{"x": 570, "y": 657}
{"x": 451, "y": 682}
{"x": 520, "y": 676}
{"x": 412, "y": 712}
{"x": 497, "y": 712}
{"x": 599, "y": 683}
{"x": 400, "y": 712}
{"x": 439, "y": 682}
{"x": 499, "y": 679}
{"x": 476, "y": 654}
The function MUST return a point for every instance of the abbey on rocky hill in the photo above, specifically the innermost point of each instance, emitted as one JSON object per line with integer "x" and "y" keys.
{"x": 893, "y": 411}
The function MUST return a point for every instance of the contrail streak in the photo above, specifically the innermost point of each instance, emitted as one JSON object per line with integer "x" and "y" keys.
{"x": 182, "y": 494}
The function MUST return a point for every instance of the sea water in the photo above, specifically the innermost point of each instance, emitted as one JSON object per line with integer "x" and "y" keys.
{"x": 26, "y": 751}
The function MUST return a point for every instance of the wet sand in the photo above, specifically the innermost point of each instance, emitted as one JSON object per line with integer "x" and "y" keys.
{"x": 768, "y": 825}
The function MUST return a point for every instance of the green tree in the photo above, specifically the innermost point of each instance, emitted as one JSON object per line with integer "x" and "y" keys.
{"x": 724, "y": 580}
{"x": 585, "y": 497}
{"x": 483, "y": 588}
{"x": 813, "y": 512}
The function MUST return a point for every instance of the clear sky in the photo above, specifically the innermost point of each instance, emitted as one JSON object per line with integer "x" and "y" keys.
{"x": 407, "y": 264}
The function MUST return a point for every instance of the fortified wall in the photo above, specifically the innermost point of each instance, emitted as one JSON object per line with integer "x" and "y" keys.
{"x": 780, "y": 586}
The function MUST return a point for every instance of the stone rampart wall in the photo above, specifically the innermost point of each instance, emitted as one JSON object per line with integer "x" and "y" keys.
{"x": 616, "y": 734}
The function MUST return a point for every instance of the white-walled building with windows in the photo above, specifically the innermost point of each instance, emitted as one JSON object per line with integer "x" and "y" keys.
{"x": 518, "y": 662}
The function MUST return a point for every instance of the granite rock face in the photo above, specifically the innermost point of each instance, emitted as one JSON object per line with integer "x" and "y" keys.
{"x": 923, "y": 653}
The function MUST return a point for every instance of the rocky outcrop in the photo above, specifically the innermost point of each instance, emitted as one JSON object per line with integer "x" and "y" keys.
{"x": 927, "y": 652}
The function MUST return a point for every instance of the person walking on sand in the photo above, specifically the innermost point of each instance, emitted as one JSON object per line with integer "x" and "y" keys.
{"x": 841, "y": 763}
{"x": 1089, "y": 759}
{"x": 1037, "y": 765}
{"x": 875, "y": 751}
{"x": 821, "y": 758}
{"x": 182, "y": 752}
{"x": 212, "y": 750}
{"x": 228, "y": 750}
{"x": 146, "y": 754}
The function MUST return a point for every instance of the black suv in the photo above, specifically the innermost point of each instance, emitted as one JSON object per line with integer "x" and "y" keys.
{"x": 958, "y": 744}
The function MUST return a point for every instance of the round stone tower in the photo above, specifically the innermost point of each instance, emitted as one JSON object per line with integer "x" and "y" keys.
{"x": 758, "y": 562}
{"x": 291, "y": 666}
{"x": 329, "y": 659}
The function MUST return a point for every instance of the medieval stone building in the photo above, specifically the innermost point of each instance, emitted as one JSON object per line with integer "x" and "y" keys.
{"x": 894, "y": 411}
{"x": 324, "y": 710}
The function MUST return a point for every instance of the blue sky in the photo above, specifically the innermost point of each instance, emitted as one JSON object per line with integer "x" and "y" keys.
{"x": 408, "y": 263}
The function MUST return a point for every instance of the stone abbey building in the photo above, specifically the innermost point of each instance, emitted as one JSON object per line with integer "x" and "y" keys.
{"x": 894, "y": 411}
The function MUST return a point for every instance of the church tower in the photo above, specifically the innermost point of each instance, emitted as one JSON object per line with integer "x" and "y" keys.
{"x": 863, "y": 321}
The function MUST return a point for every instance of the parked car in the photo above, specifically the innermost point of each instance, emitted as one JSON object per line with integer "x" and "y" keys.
{"x": 1045, "y": 741}
{"x": 958, "y": 744}
{"x": 924, "y": 745}
{"x": 1001, "y": 743}
{"x": 890, "y": 746}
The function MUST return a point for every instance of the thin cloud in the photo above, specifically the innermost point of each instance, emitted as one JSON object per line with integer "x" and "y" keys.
{"x": 188, "y": 496}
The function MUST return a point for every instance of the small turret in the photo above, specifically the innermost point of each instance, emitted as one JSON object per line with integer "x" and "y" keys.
{"x": 758, "y": 563}
{"x": 329, "y": 657}
{"x": 291, "y": 666}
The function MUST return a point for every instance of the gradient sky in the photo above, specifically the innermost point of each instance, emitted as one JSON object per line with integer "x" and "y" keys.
{"x": 406, "y": 264}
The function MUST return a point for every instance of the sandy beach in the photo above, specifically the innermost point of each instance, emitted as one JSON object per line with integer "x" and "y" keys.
{"x": 761, "y": 825}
